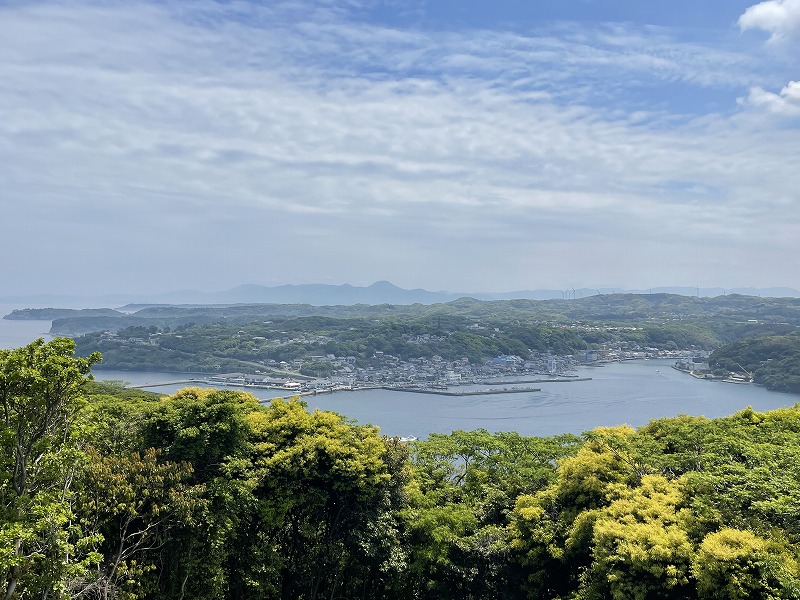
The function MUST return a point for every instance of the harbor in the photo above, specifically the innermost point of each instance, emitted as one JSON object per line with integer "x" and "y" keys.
{"x": 313, "y": 388}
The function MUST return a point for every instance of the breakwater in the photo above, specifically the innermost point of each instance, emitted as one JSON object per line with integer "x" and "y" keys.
{"x": 490, "y": 392}
{"x": 570, "y": 380}
{"x": 142, "y": 386}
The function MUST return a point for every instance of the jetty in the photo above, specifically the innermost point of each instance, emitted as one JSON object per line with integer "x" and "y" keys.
{"x": 570, "y": 380}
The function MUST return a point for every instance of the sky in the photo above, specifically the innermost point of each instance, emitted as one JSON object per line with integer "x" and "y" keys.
{"x": 459, "y": 145}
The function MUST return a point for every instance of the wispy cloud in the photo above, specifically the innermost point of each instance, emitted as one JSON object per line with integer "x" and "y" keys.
{"x": 289, "y": 141}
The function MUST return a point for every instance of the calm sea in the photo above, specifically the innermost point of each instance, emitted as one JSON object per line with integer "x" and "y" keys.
{"x": 632, "y": 392}
{"x": 19, "y": 333}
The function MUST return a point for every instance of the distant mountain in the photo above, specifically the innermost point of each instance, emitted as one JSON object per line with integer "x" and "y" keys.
{"x": 384, "y": 292}
{"x": 380, "y": 292}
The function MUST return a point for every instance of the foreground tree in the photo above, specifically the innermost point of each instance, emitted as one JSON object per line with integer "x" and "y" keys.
{"x": 464, "y": 487}
{"x": 208, "y": 494}
{"x": 40, "y": 401}
{"x": 325, "y": 499}
{"x": 128, "y": 507}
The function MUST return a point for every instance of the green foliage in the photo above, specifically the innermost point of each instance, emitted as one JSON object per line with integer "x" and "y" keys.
{"x": 322, "y": 485}
{"x": 227, "y": 339}
{"x": 237, "y": 346}
{"x": 774, "y": 360}
{"x": 317, "y": 369}
{"x": 649, "y": 513}
{"x": 464, "y": 488}
{"x": 40, "y": 406}
{"x": 728, "y": 317}
{"x": 127, "y": 506}
{"x": 640, "y": 546}
{"x": 737, "y": 565}
{"x": 116, "y": 389}
{"x": 208, "y": 494}
{"x": 291, "y": 504}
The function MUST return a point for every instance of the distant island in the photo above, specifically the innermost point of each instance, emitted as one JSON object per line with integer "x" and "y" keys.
{"x": 51, "y": 314}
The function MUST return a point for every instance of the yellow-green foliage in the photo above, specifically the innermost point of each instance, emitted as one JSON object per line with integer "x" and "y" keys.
{"x": 320, "y": 444}
{"x": 583, "y": 480}
{"x": 738, "y": 565}
{"x": 683, "y": 508}
{"x": 639, "y": 543}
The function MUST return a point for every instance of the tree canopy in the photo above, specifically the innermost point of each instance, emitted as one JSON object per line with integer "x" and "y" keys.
{"x": 108, "y": 493}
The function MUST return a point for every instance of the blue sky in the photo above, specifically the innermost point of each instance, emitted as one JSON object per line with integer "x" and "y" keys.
{"x": 467, "y": 146}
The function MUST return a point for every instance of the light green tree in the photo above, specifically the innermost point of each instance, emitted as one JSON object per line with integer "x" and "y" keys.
{"x": 40, "y": 403}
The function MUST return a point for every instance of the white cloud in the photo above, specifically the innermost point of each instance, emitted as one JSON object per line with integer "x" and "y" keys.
{"x": 781, "y": 18}
{"x": 786, "y": 103}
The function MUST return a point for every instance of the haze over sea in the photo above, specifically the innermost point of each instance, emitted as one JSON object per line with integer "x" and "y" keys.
{"x": 632, "y": 392}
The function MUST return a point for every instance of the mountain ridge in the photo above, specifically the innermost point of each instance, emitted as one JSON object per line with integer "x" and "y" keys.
{"x": 380, "y": 292}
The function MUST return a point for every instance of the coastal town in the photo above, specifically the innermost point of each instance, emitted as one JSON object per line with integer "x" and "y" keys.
{"x": 435, "y": 374}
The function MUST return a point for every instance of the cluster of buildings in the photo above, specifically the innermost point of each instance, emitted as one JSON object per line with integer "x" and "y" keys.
{"x": 386, "y": 370}
{"x": 697, "y": 365}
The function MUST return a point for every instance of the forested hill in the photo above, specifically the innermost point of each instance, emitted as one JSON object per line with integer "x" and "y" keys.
{"x": 772, "y": 360}
{"x": 607, "y": 307}
{"x": 208, "y": 494}
{"x": 240, "y": 338}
